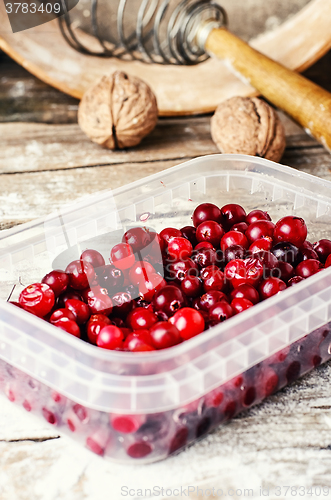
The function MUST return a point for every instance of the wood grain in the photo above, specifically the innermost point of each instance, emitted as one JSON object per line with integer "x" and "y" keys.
{"x": 297, "y": 43}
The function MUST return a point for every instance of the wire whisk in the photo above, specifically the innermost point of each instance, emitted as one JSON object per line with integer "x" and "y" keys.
{"x": 151, "y": 31}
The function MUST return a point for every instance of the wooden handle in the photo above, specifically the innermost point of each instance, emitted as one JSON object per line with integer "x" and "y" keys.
{"x": 306, "y": 102}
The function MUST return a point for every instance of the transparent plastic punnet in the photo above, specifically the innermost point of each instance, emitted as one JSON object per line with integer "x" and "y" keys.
{"x": 141, "y": 407}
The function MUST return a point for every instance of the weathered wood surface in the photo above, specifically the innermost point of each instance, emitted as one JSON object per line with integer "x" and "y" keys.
{"x": 284, "y": 441}
{"x": 296, "y": 43}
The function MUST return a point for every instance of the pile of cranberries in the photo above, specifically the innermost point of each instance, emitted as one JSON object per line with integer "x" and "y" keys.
{"x": 160, "y": 289}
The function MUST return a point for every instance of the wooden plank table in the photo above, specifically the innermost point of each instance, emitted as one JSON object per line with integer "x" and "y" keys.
{"x": 46, "y": 162}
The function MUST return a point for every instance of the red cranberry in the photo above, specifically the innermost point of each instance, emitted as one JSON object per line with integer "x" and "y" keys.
{"x": 307, "y": 268}
{"x": 203, "y": 244}
{"x": 256, "y": 215}
{"x": 220, "y": 312}
{"x": 239, "y": 272}
{"x": 126, "y": 424}
{"x": 179, "y": 270}
{"x": 57, "y": 280}
{"x": 209, "y": 299}
{"x": 206, "y": 211}
{"x": 291, "y": 229}
{"x": 306, "y": 252}
{"x": 93, "y": 257}
{"x": 259, "y": 229}
{"x": 211, "y": 232}
{"x": 204, "y": 257}
{"x": 270, "y": 287}
{"x": 164, "y": 335}
{"x": 191, "y": 286}
{"x": 169, "y": 233}
{"x": 140, "y": 271}
{"x": 286, "y": 252}
{"x": 122, "y": 256}
{"x": 328, "y": 262}
{"x": 293, "y": 371}
{"x": 68, "y": 294}
{"x": 148, "y": 288}
{"x": 95, "y": 325}
{"x": 214, "y": 398}
{"x": 323, "y": 249}
{"x": 139, "y": 450}
{"x": 98, "y": 300}
{"x": 122, "y": 304}
{"x": 268, "y": 260}
{"x": 284, "y": 271}
{"x": 233, "y": 214}
{"x": 68, "y": 326}
{"x": 269, "y": 382}
{"x": 37, "y": 299}
{"x": 179, "y": 440}
{"x": 49, "y": 416}
{"x": 138, "y": 238}
{"x": 188, "y": 321}
{"x": 179, "y": 248}
{"x": 294, "y": 280}
{"x": 139, "y": 341}
{"x": 110, "y": 337}
{"x": 110, "y": 277}
{"x": 167, "y": 301}
{"x": 212, "y": 278}
{"x": 241, "y": 304}
{"x": 189, "y": 232}
{"x": 241, "y": 227}
{"x": 61, "y": 313}
{"x": 81, "y": 274}
{"x": 234, "y": 252}
{"x": 141, "y": 318}
{"x": 79, "y": 309}
{"x": 246, "y": 292}
{"x": 249, "y": 396}
{"x": 261, "y": 245}
{"x": 233, "y": 238}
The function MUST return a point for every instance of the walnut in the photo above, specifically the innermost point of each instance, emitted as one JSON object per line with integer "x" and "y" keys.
{"x": 245, "y": 125}
{"x": 118, "y": 111}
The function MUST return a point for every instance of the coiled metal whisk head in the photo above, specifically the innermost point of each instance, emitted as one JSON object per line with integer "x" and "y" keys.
{"x": 151, "y": 31}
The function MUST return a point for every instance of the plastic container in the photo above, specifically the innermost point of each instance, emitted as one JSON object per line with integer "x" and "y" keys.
{"x": 141, "y": 407}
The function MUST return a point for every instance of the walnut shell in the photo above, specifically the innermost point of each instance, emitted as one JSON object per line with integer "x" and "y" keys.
{"x": 118, "y": 111}
{"x": 245, "y": 125}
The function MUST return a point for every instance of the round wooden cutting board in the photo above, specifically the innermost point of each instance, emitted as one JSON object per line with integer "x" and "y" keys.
{"x": 297, "y": 42}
